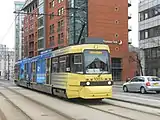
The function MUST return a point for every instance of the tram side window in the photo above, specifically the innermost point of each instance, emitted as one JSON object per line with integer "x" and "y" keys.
{"x": 62, "y": 64}
{"x": 54, "y": 65}
{"x": 77, "y": 63}
{"x": 68, "y": 63}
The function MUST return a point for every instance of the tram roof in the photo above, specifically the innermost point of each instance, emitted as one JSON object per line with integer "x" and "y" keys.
{"x": 66, "y": 50}
{"x": 79, "y": 49}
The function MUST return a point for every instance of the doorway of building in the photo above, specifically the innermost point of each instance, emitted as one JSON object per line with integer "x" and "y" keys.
{"x": 116, "y": 69}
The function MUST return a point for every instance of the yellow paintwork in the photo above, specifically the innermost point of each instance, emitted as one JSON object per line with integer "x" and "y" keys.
{"x": 80, "y": 49}
{"x": 75, "y": 90}
{"x": 71, "y": 81}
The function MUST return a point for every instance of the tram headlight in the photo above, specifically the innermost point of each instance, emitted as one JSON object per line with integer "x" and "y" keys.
{"x": 109, "y": 82}
{"x": 88, "y": 83}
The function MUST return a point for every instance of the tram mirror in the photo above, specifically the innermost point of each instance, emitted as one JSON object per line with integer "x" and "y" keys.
{"x": 68, "y": 69}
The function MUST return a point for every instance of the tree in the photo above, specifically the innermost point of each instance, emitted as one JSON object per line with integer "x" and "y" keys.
{"x": 135, "y": 57}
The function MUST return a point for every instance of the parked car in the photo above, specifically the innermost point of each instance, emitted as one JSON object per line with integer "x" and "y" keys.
{"x": 142, "y": 84}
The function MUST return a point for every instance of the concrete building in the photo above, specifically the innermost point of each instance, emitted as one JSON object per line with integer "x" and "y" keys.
{"x": 58, "y": 23}
{"x": 149, "y": 36}
{"x": 18, "y": 31}
{"x": 6, "y": 58}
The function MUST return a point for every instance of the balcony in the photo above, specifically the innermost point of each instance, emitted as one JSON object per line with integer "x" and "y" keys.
{"x": 129, "y": 28}
{"x": 129, "y": 3}
{"x": 130, "y": 16}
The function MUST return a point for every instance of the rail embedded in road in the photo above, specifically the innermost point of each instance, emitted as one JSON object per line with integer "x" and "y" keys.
{"x": 15, "y": 106}
{"x": 2, "y": 115}
{"x": 64, "y": 116}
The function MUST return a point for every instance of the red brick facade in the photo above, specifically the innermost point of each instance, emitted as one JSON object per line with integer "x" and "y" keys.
{"x": 59, "y": 35}
{"x": 107, "y": 19}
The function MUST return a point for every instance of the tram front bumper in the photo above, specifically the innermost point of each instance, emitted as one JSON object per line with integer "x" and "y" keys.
{"x": 96, "y": 92}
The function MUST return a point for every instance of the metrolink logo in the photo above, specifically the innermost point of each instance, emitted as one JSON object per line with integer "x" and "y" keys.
{"x": 119, "y": 42}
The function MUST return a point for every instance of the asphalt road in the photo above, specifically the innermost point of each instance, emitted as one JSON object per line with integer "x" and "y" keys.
{"x": 117, "y": 89}
{"x": 109, "y": 108}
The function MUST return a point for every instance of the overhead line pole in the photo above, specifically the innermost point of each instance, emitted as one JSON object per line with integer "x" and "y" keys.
{"x": 74, "y": 22}
{"x": 8, "y": 66}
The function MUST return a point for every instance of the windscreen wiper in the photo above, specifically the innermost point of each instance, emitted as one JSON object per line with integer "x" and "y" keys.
{"x": 100, "y": 74}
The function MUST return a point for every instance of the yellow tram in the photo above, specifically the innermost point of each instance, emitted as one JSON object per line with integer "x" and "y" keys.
{"x": 77, "y": 71}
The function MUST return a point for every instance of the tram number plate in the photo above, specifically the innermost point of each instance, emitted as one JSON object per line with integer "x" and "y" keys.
{"x": 98, "y": 78}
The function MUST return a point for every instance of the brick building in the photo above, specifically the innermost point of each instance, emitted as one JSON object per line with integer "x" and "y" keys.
{"x": 63, "y": 22}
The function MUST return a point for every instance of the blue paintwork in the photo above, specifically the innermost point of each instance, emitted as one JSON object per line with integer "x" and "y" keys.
{"x": 40, "y": 67}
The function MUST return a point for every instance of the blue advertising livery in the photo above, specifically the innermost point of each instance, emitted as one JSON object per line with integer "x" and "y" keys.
{"x": 40, "y": 67}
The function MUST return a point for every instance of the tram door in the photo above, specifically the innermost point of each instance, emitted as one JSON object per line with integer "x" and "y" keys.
{"x": 48, "y": 70}
{"x": 33, "y": 72}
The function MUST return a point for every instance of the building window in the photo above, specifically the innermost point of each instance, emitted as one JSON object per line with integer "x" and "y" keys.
{"x": 52, "y": 29}
{"x": 51, "y": 41}
{"x": 52, "y": 15}
{"x": 142, "y": 35}
{"x": 40, "y": 22}
{"x": 60, "y": 25}
{"x": 60, "y": 11}
{"x": 154, "y": 52}
{"x": 158, "y": 51}
{"x": 151, "y": 32}
{"x": 146, "y": 15}
{"x": 62, "y": 37}
{"x": 51, "y": 4}
{"x": 116, "y": 69}
{"x": 146, "y": 34}
{"x": 41, "y": 33}
{"x": 141, "y": 16}
{"x": 59, "y": 1}
{"x": 151, "y": 12}
{"x": 40, "y": 43}
{"x": 59, "y": 38}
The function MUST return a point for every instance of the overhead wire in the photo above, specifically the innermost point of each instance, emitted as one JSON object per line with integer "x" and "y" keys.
{"x": 7, "y": 32}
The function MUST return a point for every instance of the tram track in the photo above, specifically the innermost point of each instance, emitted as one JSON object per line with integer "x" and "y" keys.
{"x": 123, "y": 116}
{"x": 15, "y": 106}
{"x": 97, "y": 109}
{"x": 137, "y": 103}
{"x": 122, "y": 108}
{"x": 88, "y": 106}
{"x": 115, "y": 114}
{"x": 134, "y": 103}
{"x": 106, "y": 104}
{"x": 36, "y": 102}
{"x": 2, "y": 115}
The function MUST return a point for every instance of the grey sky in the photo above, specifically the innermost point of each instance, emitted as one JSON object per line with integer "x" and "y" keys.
{"x": 7, "y": 18}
